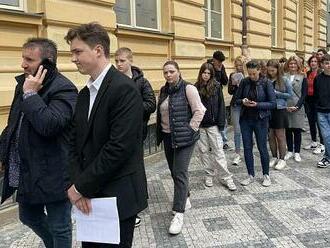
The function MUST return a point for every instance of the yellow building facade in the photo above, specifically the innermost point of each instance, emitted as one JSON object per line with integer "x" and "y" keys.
{"x": 157, "y": 30}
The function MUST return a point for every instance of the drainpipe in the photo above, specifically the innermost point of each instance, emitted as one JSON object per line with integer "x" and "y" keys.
{"x": 244, "y": 48}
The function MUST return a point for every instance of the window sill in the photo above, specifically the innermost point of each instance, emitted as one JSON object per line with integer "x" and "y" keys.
{"x": 19, "y": 16}
{"x": 132, "y": 31}
{"x": 277, "y": 49}
{"x": 217, "y": 42}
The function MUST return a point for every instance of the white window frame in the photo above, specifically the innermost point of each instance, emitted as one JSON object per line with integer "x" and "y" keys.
{"x": 133, "y": 17}
{"x": 274, "y": 39}
{"x": 208, "y": 24}
{"x": 21, "y": 4}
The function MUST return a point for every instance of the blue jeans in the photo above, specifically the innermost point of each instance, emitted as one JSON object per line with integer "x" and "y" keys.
{"x": 224, "y": 134}
{"x": 235, "y": 114}
{"x": 260, "y": 128}
{"x": 54, "y": 228}
{"x": 324, "y": 123}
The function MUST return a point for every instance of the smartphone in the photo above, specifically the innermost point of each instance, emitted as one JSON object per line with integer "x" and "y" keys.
{"x": 47, "y": 64}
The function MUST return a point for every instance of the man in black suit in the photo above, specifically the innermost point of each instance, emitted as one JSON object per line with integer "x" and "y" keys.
{"x": 106, "y": 156}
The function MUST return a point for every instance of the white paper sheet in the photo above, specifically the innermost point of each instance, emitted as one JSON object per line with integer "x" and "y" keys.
{"x": 101, "y": 225}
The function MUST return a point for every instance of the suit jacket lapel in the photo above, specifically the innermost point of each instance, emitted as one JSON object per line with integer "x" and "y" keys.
{"x": 82, "y": 112}
{"x": 100, "y": 93}
{"x": 104, "y": 86}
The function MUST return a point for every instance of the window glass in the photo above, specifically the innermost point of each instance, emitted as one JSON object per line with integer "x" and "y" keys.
{"x": 146, "y": 13}
{"x": 14, "y": 3}
{"x": 216, "y": 25}
{"x": 123, "y": 11}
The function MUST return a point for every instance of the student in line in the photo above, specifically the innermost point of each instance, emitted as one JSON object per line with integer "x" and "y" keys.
{"x": 279, "y": 118}
{"x": 256, "y": 96}
{"x": 210, "y": 143}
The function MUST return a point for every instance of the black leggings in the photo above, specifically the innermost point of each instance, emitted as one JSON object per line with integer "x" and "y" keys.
{"x": 293, "y": 136}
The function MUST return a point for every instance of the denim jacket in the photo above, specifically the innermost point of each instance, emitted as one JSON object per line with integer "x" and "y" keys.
{"x": 265, "y": 96}
{"x": 281, "y": 97}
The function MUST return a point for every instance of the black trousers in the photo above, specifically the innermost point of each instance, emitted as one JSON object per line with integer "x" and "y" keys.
{"x": 126, "y": 236}
{"x": 310, "y": 108}
{"x": 293, "y": 139}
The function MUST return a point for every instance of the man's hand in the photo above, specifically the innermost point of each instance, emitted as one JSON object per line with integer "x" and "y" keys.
{"x": 292, "y": 109}
{"x": 248, "y": 103}
{"x": 34, "y": 83}
{"x": 73, "y": 195}
{"x": 84, "y": 205}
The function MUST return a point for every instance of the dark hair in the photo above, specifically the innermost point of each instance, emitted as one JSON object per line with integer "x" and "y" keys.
{"x": 326, "y": 57}
{"x": 253, "y": 64}
{"x": 172, "y": 62}
{"x": 48, "y": 48}
{"x": 92, "y": 34}
{"x": 310, "y": 60}
{"x": 218, "y": 55}
{"x": 322, "y": 50}
{"x": 279, "y": 84}
{"x": 207, "y": 90}
{"x": 283, "y": 60}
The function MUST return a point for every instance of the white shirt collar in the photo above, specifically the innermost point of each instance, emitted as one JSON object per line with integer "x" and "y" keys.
{"x": 98, "y": 81}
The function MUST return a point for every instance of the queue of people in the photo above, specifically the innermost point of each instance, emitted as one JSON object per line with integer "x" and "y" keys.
{"x": 62, "y": 148}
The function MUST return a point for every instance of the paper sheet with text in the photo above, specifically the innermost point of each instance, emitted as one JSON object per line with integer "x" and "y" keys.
{"x": 101, "y": 225}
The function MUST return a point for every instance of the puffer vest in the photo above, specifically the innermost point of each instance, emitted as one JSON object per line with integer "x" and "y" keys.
{"x": 179, "y": 116}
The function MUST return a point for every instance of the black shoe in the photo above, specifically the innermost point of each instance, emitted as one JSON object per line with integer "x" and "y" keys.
{"x": 226, "y": 147}
{"x": 324, "y": 163}
{"x": 137, "y": 221}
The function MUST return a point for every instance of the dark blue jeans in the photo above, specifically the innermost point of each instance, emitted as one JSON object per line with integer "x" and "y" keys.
{"x": 324, "y": 122}
{"x": 53, "y": 227}
{"x": 260, "y": 128}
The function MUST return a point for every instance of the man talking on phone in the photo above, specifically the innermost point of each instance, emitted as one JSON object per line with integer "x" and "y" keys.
{"x": 32, "y": 150}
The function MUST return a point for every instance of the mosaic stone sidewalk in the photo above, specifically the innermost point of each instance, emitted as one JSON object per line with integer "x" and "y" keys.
{"x": 293, "y": 212}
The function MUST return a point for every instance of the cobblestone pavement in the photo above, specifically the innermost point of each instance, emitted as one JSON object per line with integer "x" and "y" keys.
{"x": 292, "y": 212}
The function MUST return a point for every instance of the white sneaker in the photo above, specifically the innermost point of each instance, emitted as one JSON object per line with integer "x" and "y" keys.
{"x": 280, "y": 164}
{"x": 237, "y": 159}
{"x": 297, "y": 157}
{"x": 187, "y": 207}
{"x": 319, "y": 149}
{"x": 176, "y": 224}
{"x": 288, "y": 156}
{"x": 208, "y": 181}
{"x": 312, "y": 145}
{"x": 188, "y": 204}
{"x": 248, "y": 181}
{"x": 272, "y": 162}
{"x": 266, "y": 182}
{"x": 231, "y": 185}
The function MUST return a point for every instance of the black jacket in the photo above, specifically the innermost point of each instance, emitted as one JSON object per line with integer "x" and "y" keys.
{"x": 43, "y": 169}
{"x": 106, "y": 152}
{"x": 220, "y": 76}
{"x": 148, "y": 97}
{"x": 215, "y": 114}
{"x": 179, "y": 115}
{"x": 266, "y": 99}
{"x": 322, "y": 93}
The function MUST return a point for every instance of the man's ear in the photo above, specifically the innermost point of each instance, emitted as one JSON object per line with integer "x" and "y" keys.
{"x": 99, "y": 50}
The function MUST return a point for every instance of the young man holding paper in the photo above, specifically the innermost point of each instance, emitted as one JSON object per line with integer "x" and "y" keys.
{"x": 106, "y": 155}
